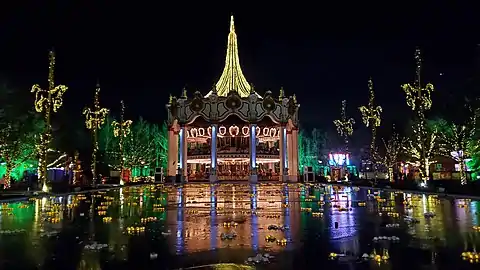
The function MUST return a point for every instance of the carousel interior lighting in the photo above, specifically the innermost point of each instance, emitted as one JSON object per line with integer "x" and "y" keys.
{"x": 230, "y": 160}
{"x": 233, "y": 131}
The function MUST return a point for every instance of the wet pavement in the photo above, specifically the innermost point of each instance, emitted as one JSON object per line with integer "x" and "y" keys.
{"x": 267, "y": 226}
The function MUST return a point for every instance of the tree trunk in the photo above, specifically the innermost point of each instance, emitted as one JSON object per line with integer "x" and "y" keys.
{"x": 8, "y": 171}
{"x": 390, "y": 174}
{"x": 463, "y": 175}
{"x": 426, "y": 172}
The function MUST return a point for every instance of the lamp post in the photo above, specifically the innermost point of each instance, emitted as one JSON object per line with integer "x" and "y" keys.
{"x": 371, "y": 118}
{"x": 419, "y": 99}
{"x": 94, "y": 119}
{"x": 344, "y": 125}
{"x": 47, "y": 101}
{"x": 121, "y": 129}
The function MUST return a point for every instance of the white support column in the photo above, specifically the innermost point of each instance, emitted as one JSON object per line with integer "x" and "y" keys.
{"x": 183, "y": 154}
{"x": 172, "y": 154}
{"x": 290, "y": 154}
{"x": 283, "y": 152}
{"x": 213, "y": 154}
{"x": 253, "y": 153}
{"x": 294, "y": 157}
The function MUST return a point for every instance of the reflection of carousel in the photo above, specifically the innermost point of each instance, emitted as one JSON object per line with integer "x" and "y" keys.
{"x": 233, "y": 133}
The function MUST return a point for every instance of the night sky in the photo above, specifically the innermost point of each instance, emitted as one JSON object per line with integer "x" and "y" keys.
{"x": 143, "y": 52}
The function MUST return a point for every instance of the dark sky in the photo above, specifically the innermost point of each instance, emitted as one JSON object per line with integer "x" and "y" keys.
{"x": 142, "y": 52}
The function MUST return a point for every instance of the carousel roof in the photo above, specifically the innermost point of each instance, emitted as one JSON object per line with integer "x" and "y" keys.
{"x": 232, "y": 78}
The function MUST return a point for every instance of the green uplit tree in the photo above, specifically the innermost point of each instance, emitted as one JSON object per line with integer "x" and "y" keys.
{"x": 139, "y": 148}
{"x": 161, "y": 145}
{"x": 474, "y": 163}
{"x": 18, "y": 129}
{"x": 309, "y": 146}
{"x": 145, "y": 147}
{"x": 108, "y": 145}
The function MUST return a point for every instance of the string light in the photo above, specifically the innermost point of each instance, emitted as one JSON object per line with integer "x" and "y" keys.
{"x": 94, "y": 119}
{"x": 371, "y": 118}
{"x": 344, "y": 125}
{"x": 422, "y": 146}
{"x": 77, "y": 168}
{"x": 232, "y": 78}
{"x": 121, "y": 129}
{"x": 47, "y": 101}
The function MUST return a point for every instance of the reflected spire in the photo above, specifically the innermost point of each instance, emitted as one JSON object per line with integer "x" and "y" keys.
{"x": 232, "y": 78}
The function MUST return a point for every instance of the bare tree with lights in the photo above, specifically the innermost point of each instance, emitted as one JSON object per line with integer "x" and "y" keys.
{"x": 421, "y": 147}
{"x": 94, "y": 119}
{"x": 393, "y": 148}
{"x": 121, "y": 130}
{"x": 344, "y": 125}
{"x": 47, "y": 101}
{"x": 371, "y": 118}
{"x": 455, "y": 140}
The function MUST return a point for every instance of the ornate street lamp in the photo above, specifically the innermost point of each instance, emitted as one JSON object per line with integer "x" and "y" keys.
{"x": 47, "y": 101}
{"x": 94, "y": 119}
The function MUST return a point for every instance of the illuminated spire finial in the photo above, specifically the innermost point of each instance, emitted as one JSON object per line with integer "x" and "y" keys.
{"x": 232, "y": 25}
{"x": 232, "y": 78}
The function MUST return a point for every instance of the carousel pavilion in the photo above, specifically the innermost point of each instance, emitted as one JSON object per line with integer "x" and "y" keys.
{"x": 233, "y": 132}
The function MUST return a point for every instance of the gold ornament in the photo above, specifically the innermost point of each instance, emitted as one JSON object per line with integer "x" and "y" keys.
{"x": 47, "y": 101}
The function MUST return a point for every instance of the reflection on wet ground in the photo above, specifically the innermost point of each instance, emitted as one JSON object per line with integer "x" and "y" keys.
{"x": 269, "y": 226}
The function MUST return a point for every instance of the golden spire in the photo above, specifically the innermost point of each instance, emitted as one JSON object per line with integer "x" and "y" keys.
{"x": 232, "y": 78}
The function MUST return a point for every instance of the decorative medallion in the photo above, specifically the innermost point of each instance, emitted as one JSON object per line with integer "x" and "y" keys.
{"x": 268, "y": 104}
{"x": 233, "y": 101}
{"x": 197, "y": 103}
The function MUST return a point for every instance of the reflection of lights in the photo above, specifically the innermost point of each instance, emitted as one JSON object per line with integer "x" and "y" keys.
{"x": 180, "y": 222}
{"x": 473, "y": 207}
{"x": 213, "y": 218}
{"x": 254, "y": 217}
{"x": 120, "y": 220}
{"x": 44, "y": 203}
{"x": 424, "y": 203}
{"x": 287, "y": 217}
{"x": 253, "y": 198}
